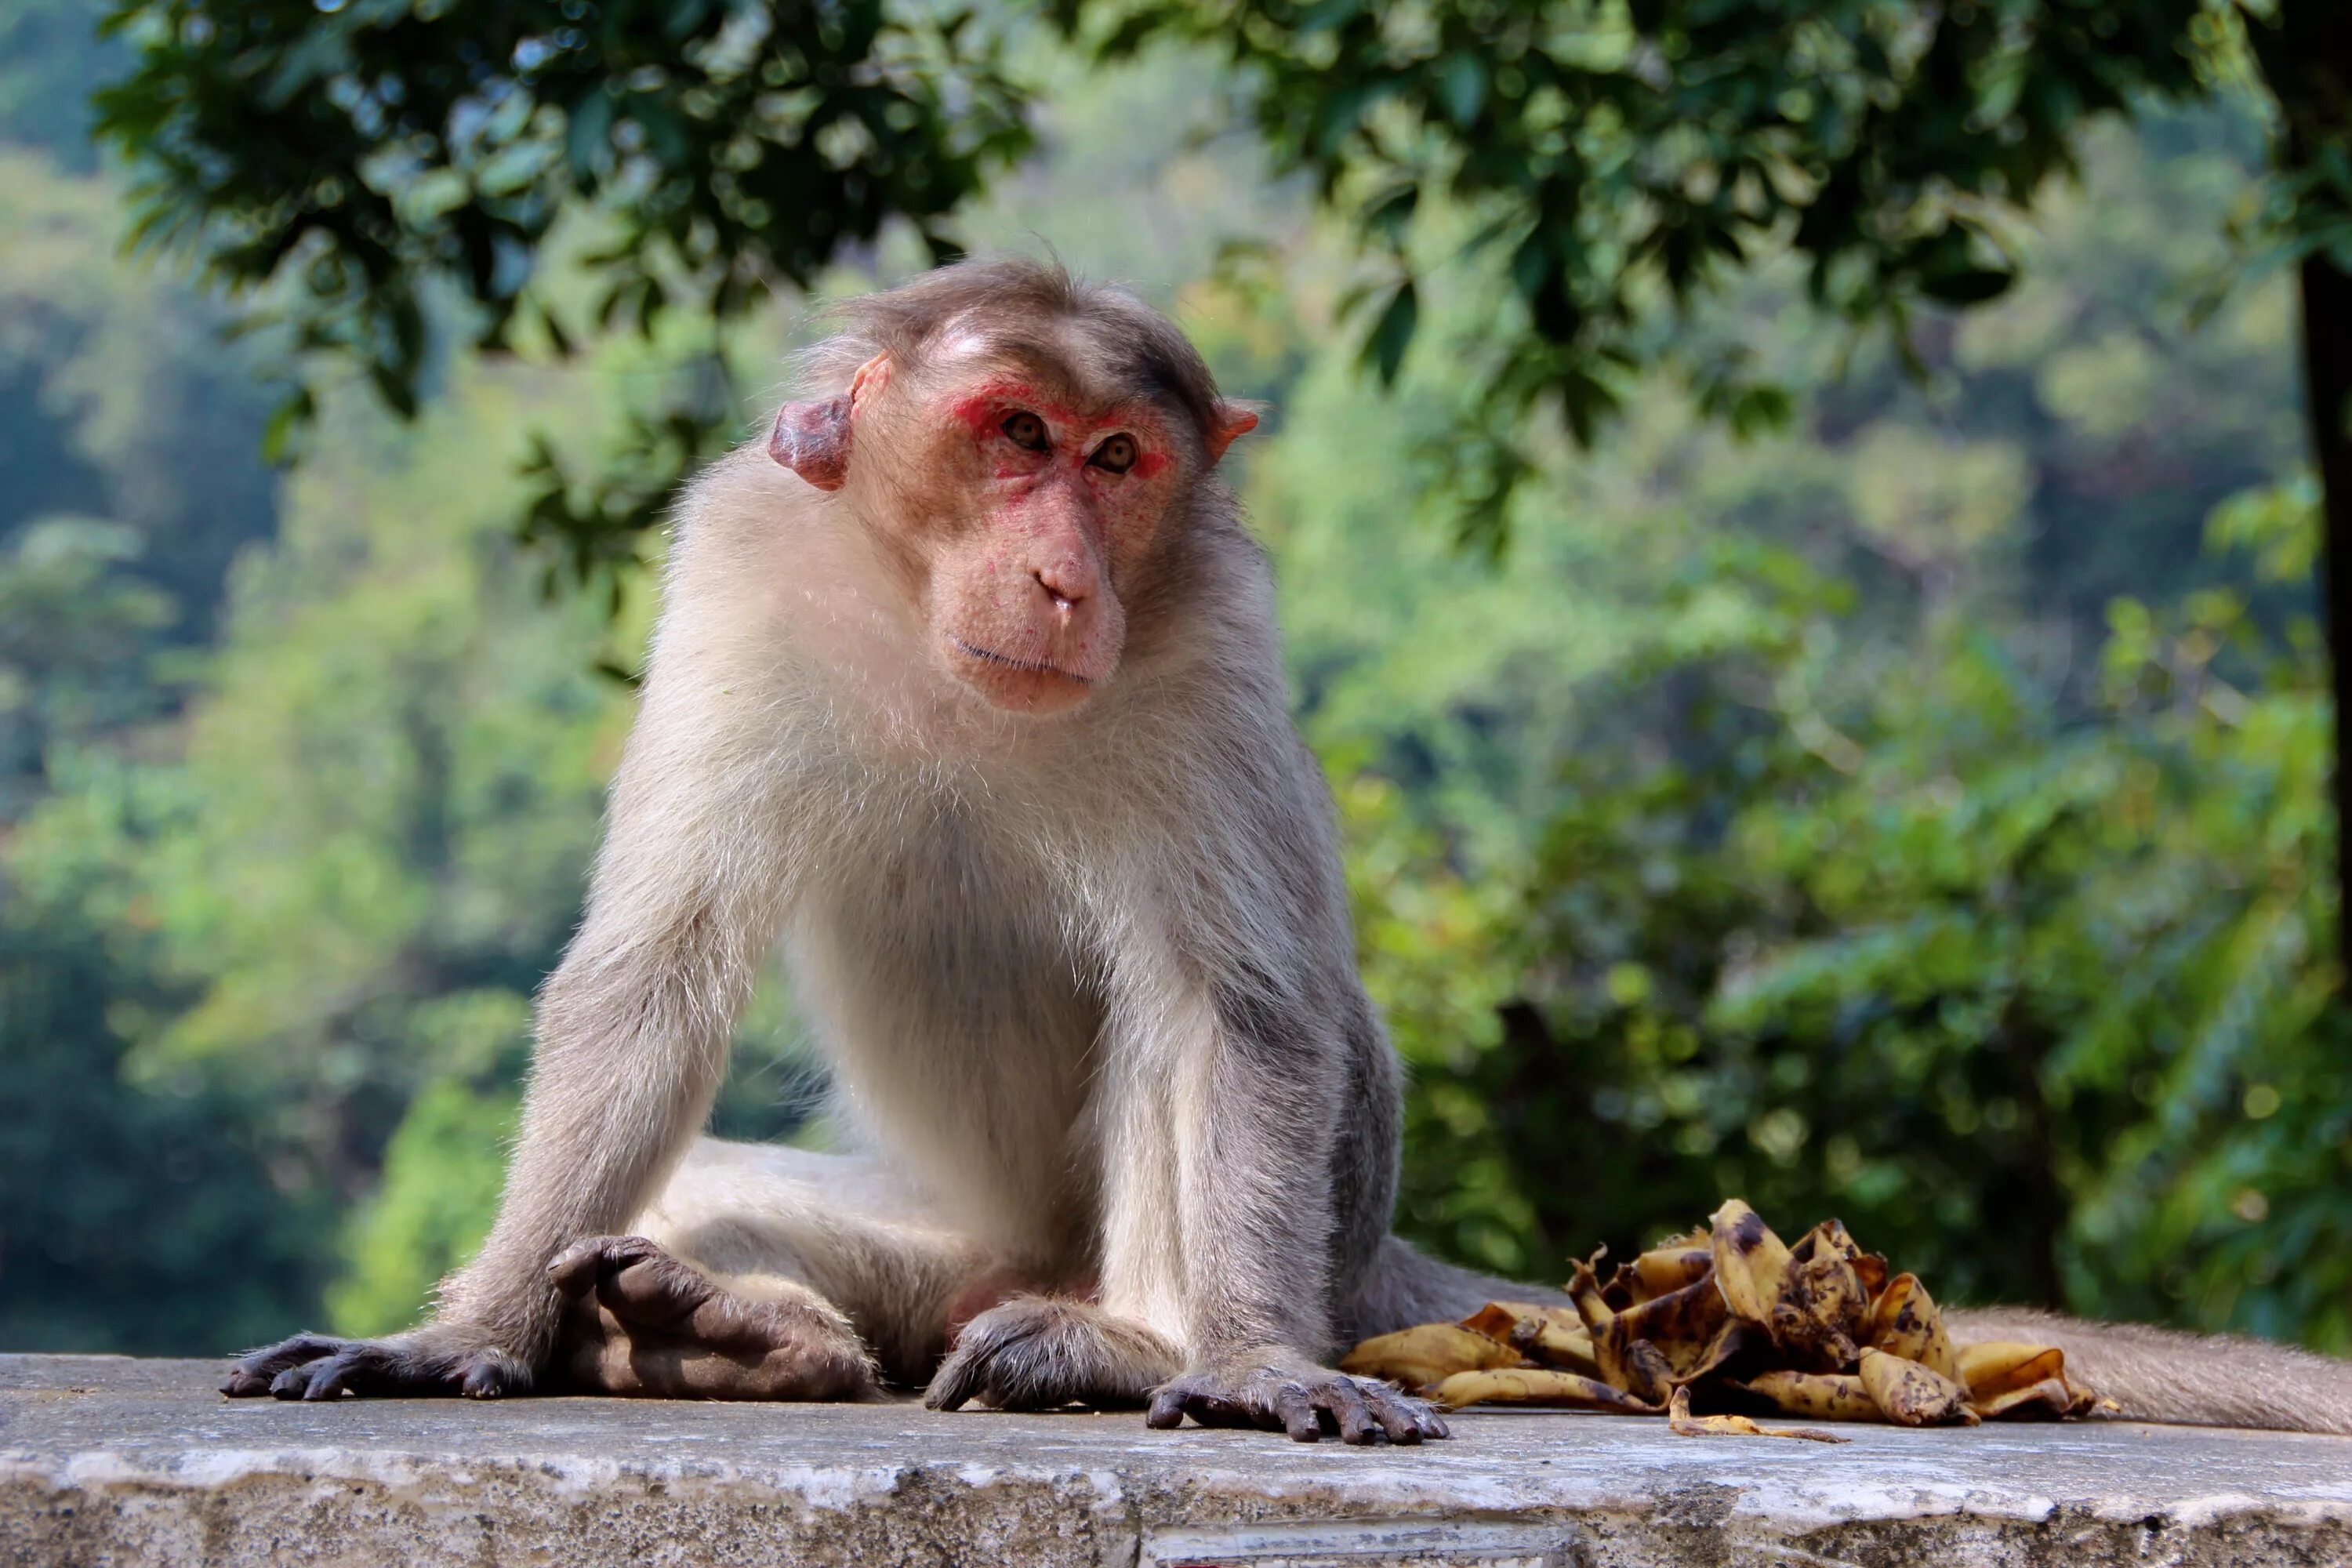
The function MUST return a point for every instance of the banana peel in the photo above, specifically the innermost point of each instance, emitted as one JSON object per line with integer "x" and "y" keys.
{"x": 1750, "y": 1262}
{"x": 1636, "y": 1365}
{"x": 1675, "y": 1263}
{"x": 1536, "y": 1386}
{"x": 2025, "y": 1382}
{"x": 1904, "y": 1322}
{"x": 1830, "y": 1234}
{"x": 1910, "y": 1394}
{"x": 1683, "y": 1424}
{"x": 1824, "y": 1395}
{"x": 1428, "y": 1354}
{"x": 1683, "y": 1323}
{"x": 1549, "y": 1336}
{"x": 1585, "y": 1289}
{"x": 1728, "y": 1311}
{"x": 2050, "y": 1399}
{"x": 1820, "y": 1312}
{"x": 1998, "y": 1367}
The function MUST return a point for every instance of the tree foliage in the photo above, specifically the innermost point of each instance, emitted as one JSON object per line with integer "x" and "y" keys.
{"x": 2036, "y": 992}
{"x": 1628, "y": 161}
{"x": 344, "y": 165}
{"x": 1895, "y": 813}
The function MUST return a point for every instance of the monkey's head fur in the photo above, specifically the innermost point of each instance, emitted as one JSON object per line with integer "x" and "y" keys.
{"x": 1020, "y": 446}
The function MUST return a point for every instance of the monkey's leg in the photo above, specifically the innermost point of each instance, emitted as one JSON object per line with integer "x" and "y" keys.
{"x": 759, "y": 1264}
{"x": 642, "y": 1323}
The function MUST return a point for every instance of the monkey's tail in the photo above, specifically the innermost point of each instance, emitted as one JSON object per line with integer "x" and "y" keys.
{"x": 1404, "y": 1287}
{"x": 2185, "y": 1380}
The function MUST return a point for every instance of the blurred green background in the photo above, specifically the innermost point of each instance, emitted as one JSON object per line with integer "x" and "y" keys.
{"x": 1915, "y": 808}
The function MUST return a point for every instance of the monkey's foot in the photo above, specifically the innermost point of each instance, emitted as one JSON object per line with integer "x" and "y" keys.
{"x": 1036, "y": 1354}
{"x": 430, "y": 1362}
{"x": 1302, "y": 1400}
{"x": 640, "y": 1323}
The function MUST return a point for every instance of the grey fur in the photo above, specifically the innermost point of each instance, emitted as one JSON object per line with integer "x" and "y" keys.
{"x": 1086, "y": 983}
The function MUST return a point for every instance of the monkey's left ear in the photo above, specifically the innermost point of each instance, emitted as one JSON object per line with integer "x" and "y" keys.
{"x": 1231, "y": 421}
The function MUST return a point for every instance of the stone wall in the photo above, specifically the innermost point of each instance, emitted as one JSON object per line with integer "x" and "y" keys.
{"x": 112, "y": 1461}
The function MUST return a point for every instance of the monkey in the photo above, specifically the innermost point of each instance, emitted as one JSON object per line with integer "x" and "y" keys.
{"x": 966, "y": 692}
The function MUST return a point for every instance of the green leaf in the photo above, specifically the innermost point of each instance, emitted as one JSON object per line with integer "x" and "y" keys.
{"x": 1463, "y": 83}
{"x": 1392, "y": 333}
{"x": 1965, "y": 286}
{"x": 587, "y": 135}
{"x": 1390, "y": 213}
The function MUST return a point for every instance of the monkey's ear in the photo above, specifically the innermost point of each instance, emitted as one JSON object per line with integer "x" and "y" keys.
{"x": 1231, "y": 421}
{"x": 812, "y": 439}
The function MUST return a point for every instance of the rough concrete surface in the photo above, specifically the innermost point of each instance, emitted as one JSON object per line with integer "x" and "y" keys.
{"x": 106, "y": 1460}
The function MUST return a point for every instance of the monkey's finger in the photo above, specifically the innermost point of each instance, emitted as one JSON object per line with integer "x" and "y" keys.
{"x": 963, "y": 1374}
{"x": 329, "y": 1378}
{"x": 366, "y": 1369}
{"x": 294, "y": 1383}
{"x": 574, "y": 1270}
{"x": 655, "y": 1290}
{"x": 1200, "y": 1398}
{"x": 1296, "y": 1412}
{"x": 1396, "y": 1416}
{"x": 1166, "y": 1410}
{"x": 253, "y": 1372}
{"x": 491, "y": 1375}
{"x": 1349, "y": 1411}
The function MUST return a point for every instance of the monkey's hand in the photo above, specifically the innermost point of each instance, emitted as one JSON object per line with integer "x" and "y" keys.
{"x": 1293, "y": 1396}
{"x": 437, "y": 1359}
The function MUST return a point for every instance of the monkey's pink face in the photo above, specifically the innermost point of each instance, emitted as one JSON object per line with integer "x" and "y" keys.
{"x": 1018, "y": 516}
{"x": 1061, "y": 505}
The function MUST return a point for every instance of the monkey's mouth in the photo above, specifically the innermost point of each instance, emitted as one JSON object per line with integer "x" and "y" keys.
{"x": 1027, "y": 666}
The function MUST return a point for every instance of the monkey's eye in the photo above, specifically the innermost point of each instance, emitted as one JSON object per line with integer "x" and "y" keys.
{"x": 1114, "y": 455}
{"x": 1026, "y": 430}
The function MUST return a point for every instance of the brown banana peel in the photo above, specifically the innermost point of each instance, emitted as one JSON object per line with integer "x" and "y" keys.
{"x": 1428, "y": 1354}
{"x": 1910, "y": 1394}
{"x": 1904, "y": 1322}
{"x": 1820, "y": 1329}
{"x": 1750, "y": 1262}
{"x": 1996, "y": 1367}
{"x": 1536, "y": 1386}
{"x": 1826, "y": 1396}
{"x": 1683, "y": 1424}
{"x": 1550, "y": 1336}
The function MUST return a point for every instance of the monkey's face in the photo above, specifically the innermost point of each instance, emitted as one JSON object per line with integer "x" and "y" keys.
{"x": 1016, "y": 509}
{"x": 1045, "y": 510}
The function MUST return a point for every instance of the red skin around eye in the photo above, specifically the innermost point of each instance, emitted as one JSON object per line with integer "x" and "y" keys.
{"x": 982, "y": 412}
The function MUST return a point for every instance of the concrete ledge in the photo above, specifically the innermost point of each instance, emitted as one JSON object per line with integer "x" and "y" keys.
{"x": 105, "y": 1460}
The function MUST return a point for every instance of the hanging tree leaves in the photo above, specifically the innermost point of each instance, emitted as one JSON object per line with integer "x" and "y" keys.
{"x": 340, "y": 163}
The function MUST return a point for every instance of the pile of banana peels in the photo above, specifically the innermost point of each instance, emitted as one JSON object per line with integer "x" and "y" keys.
{"x": 1732, "y": 1319}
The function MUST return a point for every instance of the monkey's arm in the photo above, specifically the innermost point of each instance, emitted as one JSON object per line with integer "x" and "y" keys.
{"x": 632, "y": 1033}
{"x": 1221, "y": 1222}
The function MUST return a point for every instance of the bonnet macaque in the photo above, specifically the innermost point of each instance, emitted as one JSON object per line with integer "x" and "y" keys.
{"x": 967, "y": 688}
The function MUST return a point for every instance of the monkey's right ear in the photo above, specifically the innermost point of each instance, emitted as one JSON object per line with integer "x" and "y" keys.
{"x": 812, "y": 439}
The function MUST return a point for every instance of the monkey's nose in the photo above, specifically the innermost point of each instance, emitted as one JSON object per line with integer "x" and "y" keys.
{"x": 1064, "y": 586}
